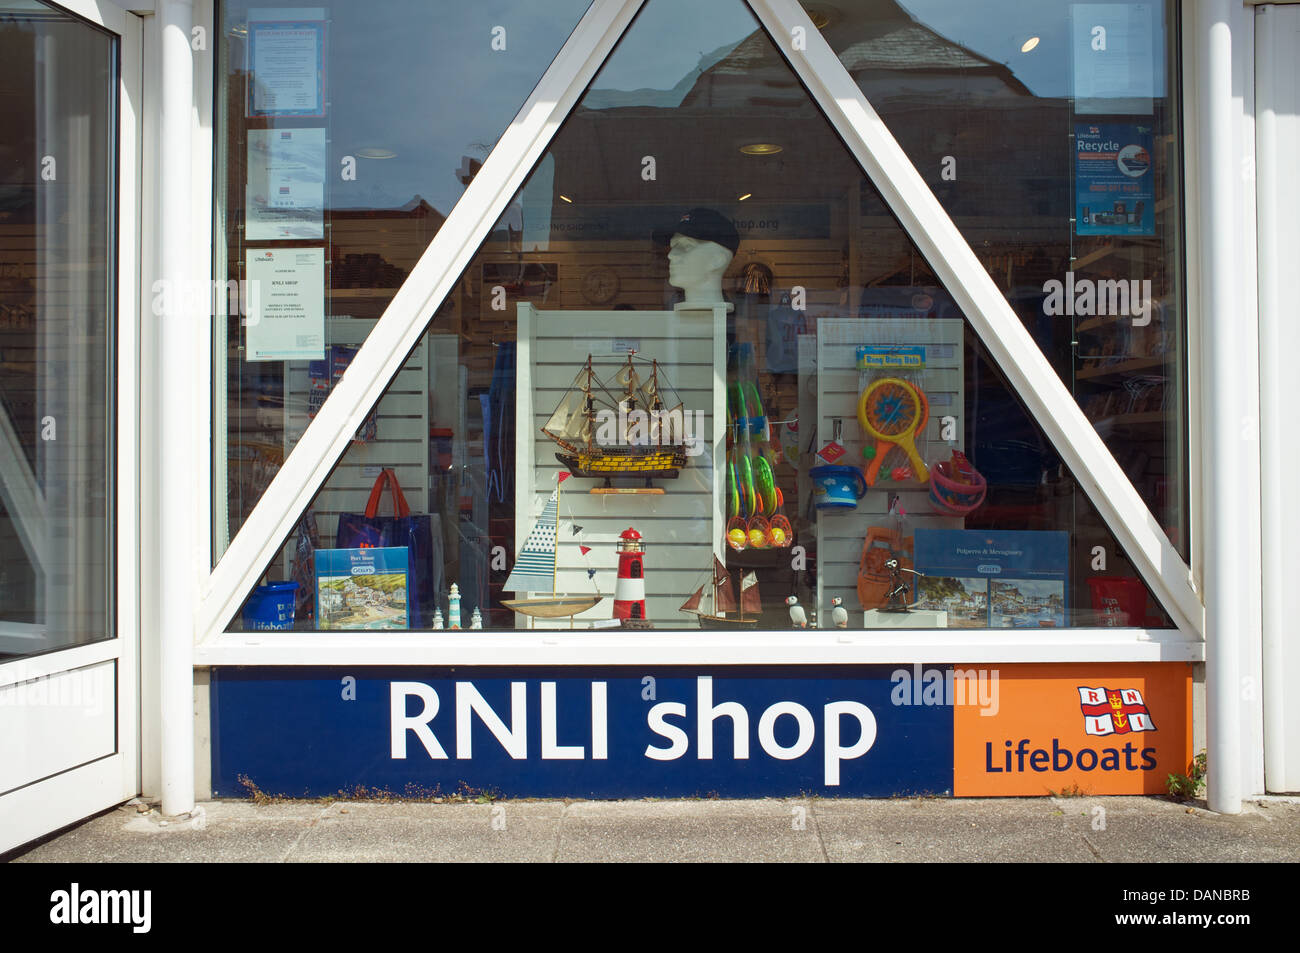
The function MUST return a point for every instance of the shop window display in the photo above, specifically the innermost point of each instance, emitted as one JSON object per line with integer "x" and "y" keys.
{"x": 1049, "y": 132}
{"x": 335, "y": 171}
{"x": 697, "y": 378}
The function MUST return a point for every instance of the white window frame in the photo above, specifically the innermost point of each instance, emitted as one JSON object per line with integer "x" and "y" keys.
{"x": 224, "y": 588}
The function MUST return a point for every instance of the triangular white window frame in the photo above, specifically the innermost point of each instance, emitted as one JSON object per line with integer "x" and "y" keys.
{"x": 504, "y": 172}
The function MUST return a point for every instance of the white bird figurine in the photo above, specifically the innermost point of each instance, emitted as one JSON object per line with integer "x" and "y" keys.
{"x": 797, "y": 615}
{"x": 839, "y": 614}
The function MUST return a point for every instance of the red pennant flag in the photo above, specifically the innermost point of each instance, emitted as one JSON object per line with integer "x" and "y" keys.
{"x": 585, "y": 549}
{"x": 564, "y": 475}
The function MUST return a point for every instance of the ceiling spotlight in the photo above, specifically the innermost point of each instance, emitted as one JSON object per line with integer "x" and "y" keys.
{"x": 745, "y": 196}
{"x": 1029, "y": 44}
{"x": 373, "y": 152}
{"x": 565, "y": 198}
{"x": 761, "y": 149}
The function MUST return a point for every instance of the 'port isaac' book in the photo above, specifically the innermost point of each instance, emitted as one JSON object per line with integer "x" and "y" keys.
{"x": 362, "y": 588}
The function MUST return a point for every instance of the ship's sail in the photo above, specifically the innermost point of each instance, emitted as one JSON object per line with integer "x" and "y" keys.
{"x": 534, "y": 569}
{"x": 750, "y": 601}
{"x": 692, "y": 604}
{"x": 726, "y": 592}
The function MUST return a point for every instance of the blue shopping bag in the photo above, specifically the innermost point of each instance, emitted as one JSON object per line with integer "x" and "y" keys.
{"x": 369, "y": 529}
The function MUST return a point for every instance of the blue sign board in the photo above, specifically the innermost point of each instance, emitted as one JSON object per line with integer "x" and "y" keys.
{"x": 608, "y": 733}
{"x": 1114, "y": 179}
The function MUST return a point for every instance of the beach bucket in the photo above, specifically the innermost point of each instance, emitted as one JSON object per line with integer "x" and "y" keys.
{"x": 270, "y": 608}
{"x": 837, "y": 487}
{"x": 953, "y": 497}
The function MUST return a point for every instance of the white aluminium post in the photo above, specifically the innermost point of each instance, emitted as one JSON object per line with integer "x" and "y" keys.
{"x": 1220, "y": 461}
{"x": 178, "y": 340}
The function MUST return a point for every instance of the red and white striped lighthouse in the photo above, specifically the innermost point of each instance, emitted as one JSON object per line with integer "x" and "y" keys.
{"x": 629, "y": 593}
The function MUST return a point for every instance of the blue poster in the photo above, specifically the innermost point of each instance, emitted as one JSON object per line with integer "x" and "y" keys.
{"x": 1114, "y": 179}
{"x": 752, "y": 731}
{"x": 998, "y": 580}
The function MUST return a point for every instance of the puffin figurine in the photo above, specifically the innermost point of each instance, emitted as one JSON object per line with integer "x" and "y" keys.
{"x": 839, "y": 614}
{"x": 797, "y": 615}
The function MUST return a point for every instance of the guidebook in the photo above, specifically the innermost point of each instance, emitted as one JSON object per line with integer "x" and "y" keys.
{"x": 362, "y": 588}
{"x": 998, "y": 580}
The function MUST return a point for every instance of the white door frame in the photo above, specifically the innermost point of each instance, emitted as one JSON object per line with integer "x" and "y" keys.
{"x": 79, "y": 790}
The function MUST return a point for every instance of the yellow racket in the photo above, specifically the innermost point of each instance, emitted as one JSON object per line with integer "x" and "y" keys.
{"x": 894, "y": 411}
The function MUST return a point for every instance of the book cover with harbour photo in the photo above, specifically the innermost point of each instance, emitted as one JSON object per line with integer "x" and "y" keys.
{"x": 994, "y": 578}
{"x": 362, "y": 588}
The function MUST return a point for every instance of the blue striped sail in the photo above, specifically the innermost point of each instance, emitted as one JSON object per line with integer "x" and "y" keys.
{"x": 534, "y": 569}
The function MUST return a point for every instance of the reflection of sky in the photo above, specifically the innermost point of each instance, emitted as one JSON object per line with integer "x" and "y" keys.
{"x": 421, "y": 80}
{"x": 998, "y": 28}
{"x": 667, "y": 40}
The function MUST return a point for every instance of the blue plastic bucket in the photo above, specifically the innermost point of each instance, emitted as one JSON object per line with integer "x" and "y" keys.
{"x": 270, "y": 608}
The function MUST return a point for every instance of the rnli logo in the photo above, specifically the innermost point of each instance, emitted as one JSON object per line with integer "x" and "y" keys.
{"x": 1114, "y": 711}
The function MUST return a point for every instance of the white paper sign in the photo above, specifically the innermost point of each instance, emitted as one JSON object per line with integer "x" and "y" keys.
{"x": 1114, "y": 58}
{"x": 285, "y": 196}
{"x": 286, "y": 319}
{"x": 287, "y": 74}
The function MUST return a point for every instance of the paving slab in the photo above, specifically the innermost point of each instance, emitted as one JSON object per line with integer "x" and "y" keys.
{"x": 1076, "y": 830}
{"x": 948, "y": 831}
{"x": 511, "y": 832}
{"x": 685, "y": 831}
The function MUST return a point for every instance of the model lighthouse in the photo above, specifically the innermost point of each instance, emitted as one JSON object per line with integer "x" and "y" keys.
{"x": 629, "y": 593}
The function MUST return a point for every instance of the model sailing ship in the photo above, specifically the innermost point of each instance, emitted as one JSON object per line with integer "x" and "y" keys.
{"x": 724, "y": 601}
{"x": 625, "y": 429}
{"x": 535, "y": 571}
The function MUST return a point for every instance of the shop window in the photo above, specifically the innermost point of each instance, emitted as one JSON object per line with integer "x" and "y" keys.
{"x": 709, "y": 382}
{"x": 346, "y": 134}
{"x": 58, "y": 307}
{"x": 1049, "y": 130}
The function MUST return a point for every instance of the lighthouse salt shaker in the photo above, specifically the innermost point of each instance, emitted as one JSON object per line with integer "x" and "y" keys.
{"x": 453, "y": 607}
{"x": 629, "y": 592}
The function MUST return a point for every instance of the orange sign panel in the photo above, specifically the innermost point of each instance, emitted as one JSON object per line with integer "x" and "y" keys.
{"x": 1106, "y": 728}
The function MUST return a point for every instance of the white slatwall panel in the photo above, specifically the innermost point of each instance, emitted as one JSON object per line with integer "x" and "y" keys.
{"x": 682, "y": 528}
{"x": 840, "y": 533}
{"x": 402, "y": 439}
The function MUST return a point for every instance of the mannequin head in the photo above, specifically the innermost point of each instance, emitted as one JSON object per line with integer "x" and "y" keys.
{"x": 697, "y": 266}
{"x": 700, "y": 247}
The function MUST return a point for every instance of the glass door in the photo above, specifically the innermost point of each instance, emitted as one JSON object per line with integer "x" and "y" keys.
{"x": 69, "y": 92}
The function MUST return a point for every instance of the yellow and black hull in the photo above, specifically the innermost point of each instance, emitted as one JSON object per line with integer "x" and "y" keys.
{"x": 606, "y": 462}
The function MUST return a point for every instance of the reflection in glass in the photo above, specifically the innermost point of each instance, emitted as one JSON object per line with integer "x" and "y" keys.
{"x": 697, "y": 223}
{"x": 1050, "y": 133}
{"x": 58, "y": 88}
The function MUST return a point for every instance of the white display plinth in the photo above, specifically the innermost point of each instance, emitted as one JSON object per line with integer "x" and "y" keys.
{"x": 916, "y": 619}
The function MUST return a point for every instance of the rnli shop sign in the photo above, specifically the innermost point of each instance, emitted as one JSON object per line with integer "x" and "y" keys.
{"x": 577, "y": 733}
{"x": 736, "y": 732}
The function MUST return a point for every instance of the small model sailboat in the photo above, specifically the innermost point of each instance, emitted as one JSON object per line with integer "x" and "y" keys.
{"x": 724, "y": 601}
{"x": 641, "y": 435}
{"x": 535, "y": 571}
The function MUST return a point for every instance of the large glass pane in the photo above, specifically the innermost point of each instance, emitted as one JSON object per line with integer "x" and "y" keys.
{"x": 1050, "y": 132}
{"x": 58, "y": 92}
{"x": 706, "y": 381}
{"x": 345, "y": 135}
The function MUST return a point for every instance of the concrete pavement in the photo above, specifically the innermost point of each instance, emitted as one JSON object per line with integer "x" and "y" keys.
{"x": 1074, "y": 830}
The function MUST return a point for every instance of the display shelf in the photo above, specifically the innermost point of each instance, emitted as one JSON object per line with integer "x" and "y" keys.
{"x": 1146, "y": 417}
{"x": 1125, "y": 367}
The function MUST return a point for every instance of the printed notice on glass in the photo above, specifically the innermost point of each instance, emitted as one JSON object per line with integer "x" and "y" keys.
{"x": 286, "y": 50}
{"x": 1114, "y": 179}
{"x": 286, "y": 312}
{"x": 1114, "y": 58}
{"x": 285, "y": 195}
